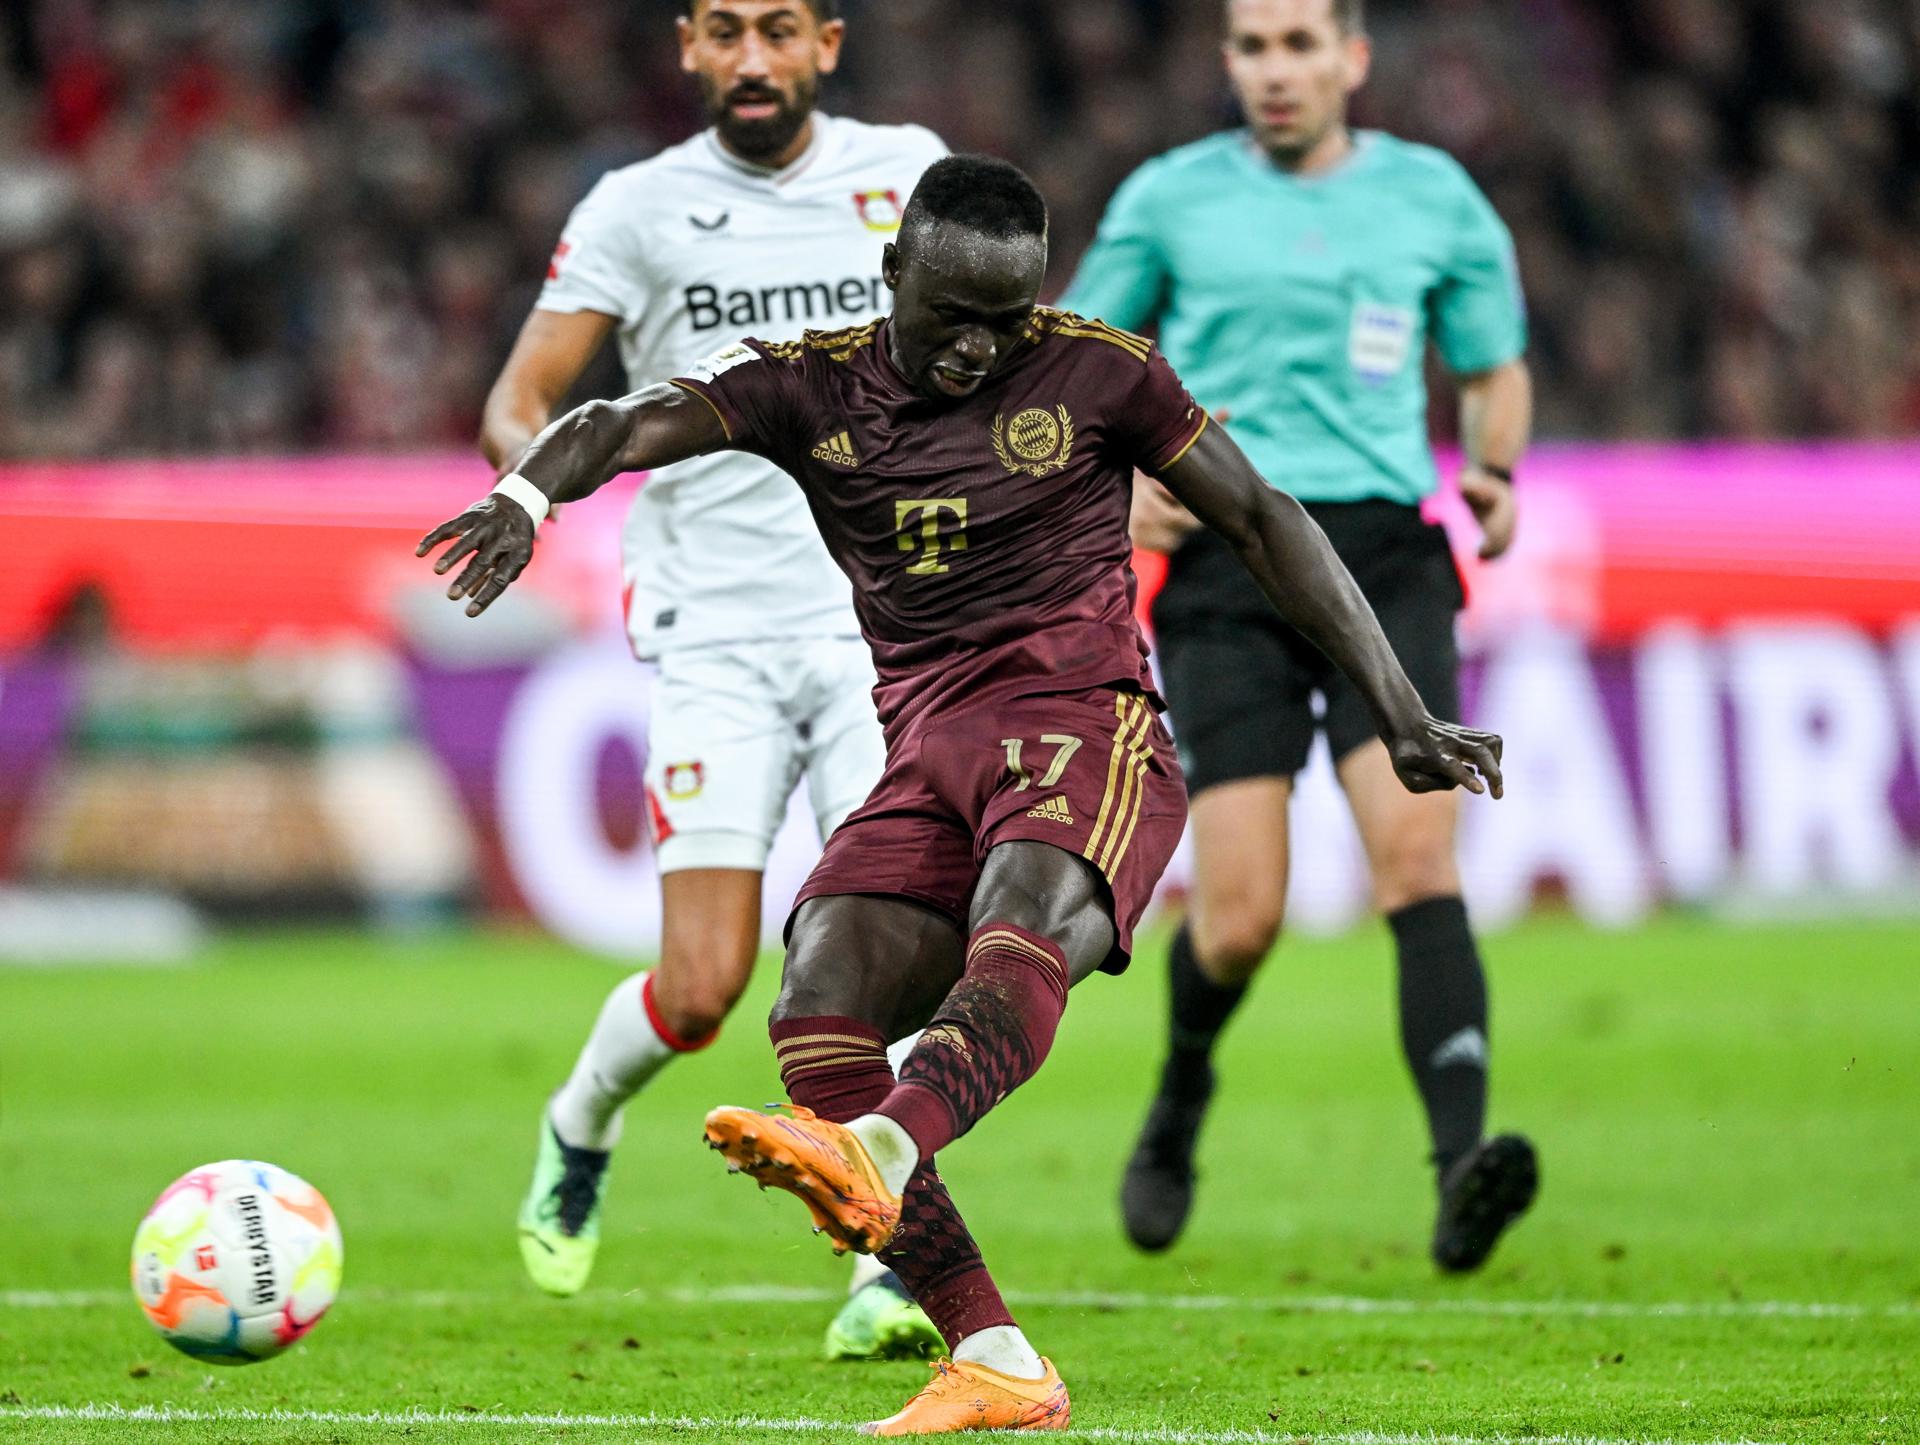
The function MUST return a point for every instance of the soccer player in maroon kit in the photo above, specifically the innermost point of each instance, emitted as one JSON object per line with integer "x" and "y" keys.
{"x": 969, "y": 463}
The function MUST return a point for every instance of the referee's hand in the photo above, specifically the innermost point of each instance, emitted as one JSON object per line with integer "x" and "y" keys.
{"x": 1159, "y": 523}
{"x": 1492, "y": 501}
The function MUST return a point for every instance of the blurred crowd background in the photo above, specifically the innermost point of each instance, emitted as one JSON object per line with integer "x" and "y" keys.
{"x": 274, "y": 236}
{"x": 243, "y": 226}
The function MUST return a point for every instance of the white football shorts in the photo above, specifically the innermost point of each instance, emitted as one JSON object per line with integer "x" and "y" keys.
{"x": 733, "y": 728}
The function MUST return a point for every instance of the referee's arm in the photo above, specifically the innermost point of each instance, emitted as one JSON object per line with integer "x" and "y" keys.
{"x": 1478, "y": 319}
{"x": 1123, "y": 278}
{"x": 1496, "y": 420}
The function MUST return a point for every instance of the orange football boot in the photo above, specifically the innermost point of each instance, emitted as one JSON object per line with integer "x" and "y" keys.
{"x": 966, "y": 1396}
{"x": 824, "y": 1163}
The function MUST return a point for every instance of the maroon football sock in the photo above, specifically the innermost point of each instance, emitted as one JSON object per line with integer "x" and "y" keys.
{"x": 939, "y": 1263}
{"x": 837, "y": 1067}
{"x": 987, "y": 1040}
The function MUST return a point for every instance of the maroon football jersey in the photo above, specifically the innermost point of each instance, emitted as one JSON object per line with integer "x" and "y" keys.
{"x": 987, "y": 537}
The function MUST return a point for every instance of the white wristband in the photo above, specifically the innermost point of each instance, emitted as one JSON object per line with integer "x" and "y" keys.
{"x": 530, "y": 497}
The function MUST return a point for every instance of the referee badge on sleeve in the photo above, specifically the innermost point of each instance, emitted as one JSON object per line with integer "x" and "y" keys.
{"x": 1380, "y": 342}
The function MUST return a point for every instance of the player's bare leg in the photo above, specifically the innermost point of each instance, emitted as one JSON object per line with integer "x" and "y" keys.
{"x": 1485, "y": 1184}
{"x": 1239, "y": 832}
{"x": 709, "y": 938}
{"x": 859, "y": 970}
{"x": 1040, "y": 922}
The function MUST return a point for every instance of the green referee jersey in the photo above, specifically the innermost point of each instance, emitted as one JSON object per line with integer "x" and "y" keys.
{"x": 1302, "y": 304}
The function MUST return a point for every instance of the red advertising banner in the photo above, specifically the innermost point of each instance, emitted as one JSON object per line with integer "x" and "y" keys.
{"x": 233, "y": 681}
{"x": 1613, "y": 540}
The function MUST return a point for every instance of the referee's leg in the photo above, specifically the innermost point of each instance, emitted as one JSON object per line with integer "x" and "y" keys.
{"x": 1409, "y": 839}
{"x": 1239, "y": 833}
{"x": 1484, "y": 1184}
{"x": 1241, "y": 687}
{"x": 1239, "y": 897}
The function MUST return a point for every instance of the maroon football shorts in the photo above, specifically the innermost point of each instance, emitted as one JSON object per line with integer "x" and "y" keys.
{"x": 1092, "y": 772}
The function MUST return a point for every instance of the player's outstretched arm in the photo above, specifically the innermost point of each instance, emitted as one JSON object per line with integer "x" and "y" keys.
{"x": 1304, "y": 578}
{"x": 571, "y": 459}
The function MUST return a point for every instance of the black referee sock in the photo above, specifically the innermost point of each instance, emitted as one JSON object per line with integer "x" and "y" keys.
{"x": 1443, "y": 1021}
{"x": 1199, "y": 1009}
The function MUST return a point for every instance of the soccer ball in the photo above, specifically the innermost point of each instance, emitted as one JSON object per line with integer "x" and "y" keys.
{"x": 235, "y": 1261}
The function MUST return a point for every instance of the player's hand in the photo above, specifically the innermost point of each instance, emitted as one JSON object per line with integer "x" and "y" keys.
{"x": 1440, "y": 755}
{"x": 1159, "y": 522}
{"x": 1493, "y": 508}
{"x": 495, "y": 535}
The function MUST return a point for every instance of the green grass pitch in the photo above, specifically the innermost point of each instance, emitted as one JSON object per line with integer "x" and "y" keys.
{"x": 1726, "y": 1248}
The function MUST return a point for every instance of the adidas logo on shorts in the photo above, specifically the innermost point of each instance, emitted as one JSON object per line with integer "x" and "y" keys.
{"x": 836, "y": 449}
{"x": 1053, "y": 809}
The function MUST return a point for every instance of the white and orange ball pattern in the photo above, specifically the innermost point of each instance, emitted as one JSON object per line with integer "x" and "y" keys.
{"x": 237, "y": 1260}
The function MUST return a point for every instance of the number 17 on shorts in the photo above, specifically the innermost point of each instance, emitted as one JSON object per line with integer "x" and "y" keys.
{"x": 1097, "y": 776}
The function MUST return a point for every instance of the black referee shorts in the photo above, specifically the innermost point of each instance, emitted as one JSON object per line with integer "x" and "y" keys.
{"x": 1242, "y": 684}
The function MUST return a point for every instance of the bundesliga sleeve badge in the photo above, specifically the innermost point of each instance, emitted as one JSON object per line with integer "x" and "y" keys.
{"x": 721, "y": 362}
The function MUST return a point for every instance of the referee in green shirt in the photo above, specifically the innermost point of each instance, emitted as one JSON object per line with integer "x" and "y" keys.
{"x": 1295, "y": 271}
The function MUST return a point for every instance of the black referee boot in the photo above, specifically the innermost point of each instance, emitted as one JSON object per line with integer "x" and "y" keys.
{"x": 1481, "y": 1194}
{"x": 1156, "y": 1192}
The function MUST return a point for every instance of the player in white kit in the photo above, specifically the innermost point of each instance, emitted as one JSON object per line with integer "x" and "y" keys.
{"x": 770, "y": 222}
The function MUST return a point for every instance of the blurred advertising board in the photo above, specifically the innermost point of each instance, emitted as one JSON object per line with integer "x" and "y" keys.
{"x": 232, "y": 679}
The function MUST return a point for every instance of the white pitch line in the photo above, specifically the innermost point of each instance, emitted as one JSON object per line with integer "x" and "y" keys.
{"x": 171, "y": 1414}
{"x": 28, "y": 1299}
{"x": 1371, "y": 1305}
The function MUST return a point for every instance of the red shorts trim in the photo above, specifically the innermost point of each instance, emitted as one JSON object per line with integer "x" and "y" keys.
{"x": 1091, "y": 772}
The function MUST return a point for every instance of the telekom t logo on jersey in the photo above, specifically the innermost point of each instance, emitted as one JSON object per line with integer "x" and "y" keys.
{"x": 927, "y": 526}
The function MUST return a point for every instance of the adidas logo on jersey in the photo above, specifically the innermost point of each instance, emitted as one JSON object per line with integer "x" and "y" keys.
{"x": 837, "y": 449}
{"x": 1054, "y": 810}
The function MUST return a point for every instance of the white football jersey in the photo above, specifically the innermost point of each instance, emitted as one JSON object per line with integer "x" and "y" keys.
{"x": 695, "y": 248}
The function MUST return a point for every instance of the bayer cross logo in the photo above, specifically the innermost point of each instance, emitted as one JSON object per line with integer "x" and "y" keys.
{"x": 1036, "y": 441}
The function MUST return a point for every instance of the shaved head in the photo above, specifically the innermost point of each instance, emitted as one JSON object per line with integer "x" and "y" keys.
{"x": 965, "y": 273}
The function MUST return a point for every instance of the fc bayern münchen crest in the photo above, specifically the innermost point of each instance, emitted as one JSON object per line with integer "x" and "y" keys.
{"x": 1036, "y": 441}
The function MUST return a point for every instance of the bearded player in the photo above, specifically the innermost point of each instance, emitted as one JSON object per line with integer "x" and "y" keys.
{"x": 771, "y": 220}
{"x": 969, "y": 463}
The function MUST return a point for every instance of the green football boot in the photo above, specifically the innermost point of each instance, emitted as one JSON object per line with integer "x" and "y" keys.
{"x": 880, "y": 1321}
{"x": 560, "y": 1217}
